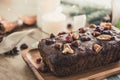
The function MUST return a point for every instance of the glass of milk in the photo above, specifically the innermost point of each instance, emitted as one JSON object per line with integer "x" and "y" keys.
{"x": 46, "y": 6}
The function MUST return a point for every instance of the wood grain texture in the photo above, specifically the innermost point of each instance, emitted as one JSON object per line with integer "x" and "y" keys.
{"x": 14, "y": 68}
{"x": 94, "y": 74}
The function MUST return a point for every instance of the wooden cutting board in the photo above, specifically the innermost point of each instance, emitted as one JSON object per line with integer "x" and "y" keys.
{"x": 30, "y": 56}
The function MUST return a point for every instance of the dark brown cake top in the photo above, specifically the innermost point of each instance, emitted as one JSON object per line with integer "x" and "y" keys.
{"x": 89, "y": 40}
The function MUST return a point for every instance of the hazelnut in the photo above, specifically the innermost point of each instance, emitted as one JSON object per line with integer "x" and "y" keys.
{"x": 92, "y": 26}
{"x": 96, "y": 33}
{"x": 97, "y": 48}
{"x": 75, "y": 36}
{"x": 67, "y": 49}
{"x": 58, "y": 46}
{"x": 82, "y": 30}
{"x": 104, "y": 37}
{"x": 107, "y": 26}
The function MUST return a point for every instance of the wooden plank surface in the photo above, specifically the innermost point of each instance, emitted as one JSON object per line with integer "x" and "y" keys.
{"x": 94, "y": 74}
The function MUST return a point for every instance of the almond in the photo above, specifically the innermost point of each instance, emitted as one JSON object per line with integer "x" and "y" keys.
{"x": 104, "y": 37}
{"x": 97, "y": 48}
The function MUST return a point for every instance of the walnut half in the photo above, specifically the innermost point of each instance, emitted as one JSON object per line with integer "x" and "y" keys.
{"x": 104, "y": 37}
{"x": 67, "y": 49}
{"x": 97, "y": 48}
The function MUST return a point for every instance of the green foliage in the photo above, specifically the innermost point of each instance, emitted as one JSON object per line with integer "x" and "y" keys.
{"x": 118, "y": 25}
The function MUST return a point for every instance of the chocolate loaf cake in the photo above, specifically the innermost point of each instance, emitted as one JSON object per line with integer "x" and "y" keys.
{"x": 80, "y": 50}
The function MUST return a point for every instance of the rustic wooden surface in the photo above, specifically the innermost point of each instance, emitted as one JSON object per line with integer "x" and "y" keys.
{"x": 14, "y": 68}
{"x": 96, "y": 74}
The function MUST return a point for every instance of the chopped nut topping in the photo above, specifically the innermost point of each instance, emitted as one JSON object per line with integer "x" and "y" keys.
{"x": 107, "y": 26}
{"x": 82, "y": 30}
{"x": 104, "y": 37}
{"x": 97, "y": 48}
{"x": 92, "y": 26}
{"x": 75, "y": 36}
{"x": 96, "y": 33}
{"x": 67, "y": 49}
{"x": 58, "y": 46}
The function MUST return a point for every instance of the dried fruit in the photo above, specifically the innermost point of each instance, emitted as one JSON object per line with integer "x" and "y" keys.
{"x": 14, "y": 51}
{"x": 97, "y": 48}
{"x": 75, "y": 36}
{"x": 85, "y": 38}
{"x": 99, "y": 29}
{"x": 67, "y": 49}
{"x": 104, "y": 37}
{"x": 38, "y": 60}
{"x": 82, "y": 30}
{"x": 69, "y": 39}
{"x": 58, "y": 46}
{"x": 96, "y": 33}
{"x": 52, "y": 35}
{"x": 92, "y": 26}
{"x": 107, "y": 26}
{"x": 23, "y": 46}
{"x": 107, "y": 32}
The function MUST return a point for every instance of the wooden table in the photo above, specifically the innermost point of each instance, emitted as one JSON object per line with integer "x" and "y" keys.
{"x": 14, "y": 68}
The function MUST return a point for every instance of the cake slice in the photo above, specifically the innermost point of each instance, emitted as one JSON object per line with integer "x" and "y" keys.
{"x": 80, "y": 50}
